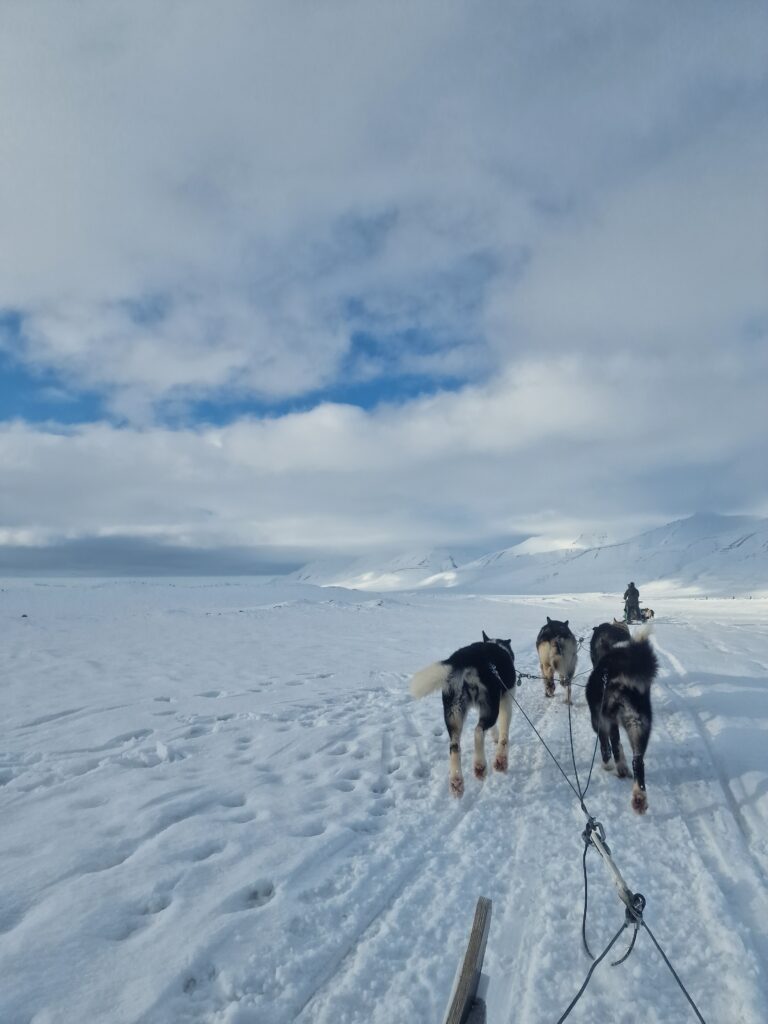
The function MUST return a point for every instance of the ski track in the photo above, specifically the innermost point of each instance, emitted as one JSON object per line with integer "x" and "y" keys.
{"x": 207, "y": 827}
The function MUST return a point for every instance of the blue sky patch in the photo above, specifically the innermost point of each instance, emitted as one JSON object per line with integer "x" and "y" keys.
{"x": 39, "y": 396}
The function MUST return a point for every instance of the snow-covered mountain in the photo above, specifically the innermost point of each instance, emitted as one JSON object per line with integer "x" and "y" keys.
{"x": 402, "y": 572}
{"x": 710, "y": 554}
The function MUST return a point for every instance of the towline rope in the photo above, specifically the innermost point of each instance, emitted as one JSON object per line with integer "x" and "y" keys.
{"x": 594, "y": 835}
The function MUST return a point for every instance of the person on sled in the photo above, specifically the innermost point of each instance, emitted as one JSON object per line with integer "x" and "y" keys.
{"x": 631, "y": 603}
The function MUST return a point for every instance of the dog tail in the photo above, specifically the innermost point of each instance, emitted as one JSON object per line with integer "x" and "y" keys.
{"x": 429, "y": 679}
{"x": 643, "y": 633}
{"x": 642, "y": 657}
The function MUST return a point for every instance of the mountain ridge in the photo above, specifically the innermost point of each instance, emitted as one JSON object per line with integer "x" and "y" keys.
{"x": 705, "y": 552}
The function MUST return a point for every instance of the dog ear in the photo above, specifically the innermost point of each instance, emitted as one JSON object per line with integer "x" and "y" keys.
{"x": 549, "y": 621}
{"x": 486, "y": 638}
{"x": 508, "y": 642}
{"x": 566, "y": 623}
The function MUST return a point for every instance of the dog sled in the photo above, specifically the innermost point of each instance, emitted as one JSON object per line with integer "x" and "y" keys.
{"x": 633, "y": 616}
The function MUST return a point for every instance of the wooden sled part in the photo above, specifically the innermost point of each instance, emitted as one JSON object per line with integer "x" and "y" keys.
{"x": 464, "y": 1006}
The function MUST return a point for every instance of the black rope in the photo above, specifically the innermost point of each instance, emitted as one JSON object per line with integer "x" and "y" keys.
{"x": 631, "y": 947}
{"x": 573, "y": 754}
{"x": 694, "y": 1007}
{"x": 559, "y": 766}
{"x": 590, "y": 825}
{"x": 583, "y": 792}
{"x": 591, "y": 971}
{"x": 589, "y": 777}
{"x": 633, "y": 913}
{"x": 584, "y": 915}
{"x": 525, "y": 716}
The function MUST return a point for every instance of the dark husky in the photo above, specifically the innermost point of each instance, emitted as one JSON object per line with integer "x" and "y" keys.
{"x": 619, "y": 693}
{"x": 481, "y": 675}
{"x": 605, "y": 636}
{"x": 556, "y": 648}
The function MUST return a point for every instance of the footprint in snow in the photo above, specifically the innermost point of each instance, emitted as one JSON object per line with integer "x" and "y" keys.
{"x": 196, "y": 731}
{"x": 156, "y": 904}
{"x": 381, "y": 807}
{"x": 203, "y": 852}
{"x": 252, "y": 897}
{"x": 191, "y": 983}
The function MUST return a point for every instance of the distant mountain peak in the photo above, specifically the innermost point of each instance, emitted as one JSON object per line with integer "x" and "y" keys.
{"x": 707, "y": 552}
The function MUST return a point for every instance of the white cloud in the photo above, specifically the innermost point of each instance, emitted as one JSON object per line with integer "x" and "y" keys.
{"x": 676, "y": 258}
{"x": 198, "y": 200}
{"x": 249, "y": 169}
{"x": 549, "y": 449}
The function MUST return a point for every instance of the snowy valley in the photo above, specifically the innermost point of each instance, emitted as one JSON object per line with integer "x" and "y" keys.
{"x": 221, "y": 805}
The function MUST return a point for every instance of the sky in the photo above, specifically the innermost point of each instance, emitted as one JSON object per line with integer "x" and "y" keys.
{"x": 284, "y": 279}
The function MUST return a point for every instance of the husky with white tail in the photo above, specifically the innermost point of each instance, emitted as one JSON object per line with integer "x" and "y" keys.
{"x": 481, "y": 675}
{"x": 556, "y": 648}
{"x": 619, "y": 693}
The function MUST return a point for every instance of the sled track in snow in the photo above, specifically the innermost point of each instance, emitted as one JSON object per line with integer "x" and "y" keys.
{"x": 720, "y": 835}
{"x": 453, "y": 847}
{"x": 691, "y": 715}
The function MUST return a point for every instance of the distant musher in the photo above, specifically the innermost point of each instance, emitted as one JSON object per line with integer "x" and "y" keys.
{"x": 632, "y": 604}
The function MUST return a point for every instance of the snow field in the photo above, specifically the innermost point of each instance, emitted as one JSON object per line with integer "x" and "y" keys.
{"x": 221, "y": 805}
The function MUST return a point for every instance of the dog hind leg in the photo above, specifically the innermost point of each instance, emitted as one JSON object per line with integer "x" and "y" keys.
{"x": 605, "y": 749}
{"x": 600, "y": 726}
{"x": 618, "y": 753}
{"x": 501, "y": 759}
{"x": 548, "y": 675}
{"x": 639, "y": 731}
{"x": 479, "y": 765}
{"x": 566, "y": 684}
{"x": 489, "y": 713}
{"x": 454, "y": 712}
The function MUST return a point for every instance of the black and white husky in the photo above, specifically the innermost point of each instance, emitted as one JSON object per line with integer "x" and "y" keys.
{"x": 605, "y": 636}
{"x": 481, "y": 675}
{"x": 619, "y": 693}
{"x": 556, "y": 648}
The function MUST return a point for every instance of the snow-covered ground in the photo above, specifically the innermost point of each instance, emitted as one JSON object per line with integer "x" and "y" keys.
{"x": 219, "y": 804}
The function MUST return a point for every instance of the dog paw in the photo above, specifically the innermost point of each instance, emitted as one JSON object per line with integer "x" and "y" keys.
{"x": 639, "y": 801}
{"x": 457, "y": 787}
{"x": 501, "y": 763}
{"x": 548, "y": 692}
{"x": 608, "y": 766}
{"x": 480, "y": 771}
{"x": 621, "y": 770}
